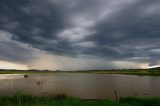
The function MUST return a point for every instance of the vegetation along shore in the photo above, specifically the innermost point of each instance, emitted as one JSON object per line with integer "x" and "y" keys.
{"x": 62, "y": 100}
{"x": 141, "y": 72}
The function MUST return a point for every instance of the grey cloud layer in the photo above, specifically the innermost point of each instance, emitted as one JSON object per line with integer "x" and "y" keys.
{"x": 14, "y": 51}
{"x": 125, "y": 29}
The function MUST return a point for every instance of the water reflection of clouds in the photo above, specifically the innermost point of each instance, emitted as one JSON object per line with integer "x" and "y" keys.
{"x": 11, "y": 76}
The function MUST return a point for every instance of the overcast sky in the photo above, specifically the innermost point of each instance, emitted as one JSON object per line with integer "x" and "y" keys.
{"x": 79, "y": 34}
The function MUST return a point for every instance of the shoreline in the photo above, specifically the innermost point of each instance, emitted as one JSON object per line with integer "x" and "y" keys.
{"x": 124, "y": 72}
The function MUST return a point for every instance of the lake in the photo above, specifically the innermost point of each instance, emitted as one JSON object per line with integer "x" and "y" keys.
{"x": 85, "y": 86}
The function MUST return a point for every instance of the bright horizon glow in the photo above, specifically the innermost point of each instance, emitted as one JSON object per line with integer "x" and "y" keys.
{"x": 156, "y": 66}
{"x": 11, "y": 65}
{"x": 17, "y": 66}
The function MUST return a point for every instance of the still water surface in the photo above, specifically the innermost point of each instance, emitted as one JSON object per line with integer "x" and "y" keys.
{"x": 85, "y": 86}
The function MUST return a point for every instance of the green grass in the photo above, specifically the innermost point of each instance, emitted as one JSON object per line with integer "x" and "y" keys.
{"x": 62, "y": 100}
{"x": 140, "y": 72}
{"x": 137, "y": 101}
{"x": 130, "y": 72}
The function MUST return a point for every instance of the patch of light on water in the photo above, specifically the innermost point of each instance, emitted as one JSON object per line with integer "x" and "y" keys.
{"x": 11, "y": 76}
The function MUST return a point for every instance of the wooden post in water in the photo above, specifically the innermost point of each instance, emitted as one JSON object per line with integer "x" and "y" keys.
{"x": 116, "y": 95}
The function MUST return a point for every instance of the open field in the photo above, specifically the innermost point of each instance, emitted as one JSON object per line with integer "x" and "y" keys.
{"x": 62, "y": 100}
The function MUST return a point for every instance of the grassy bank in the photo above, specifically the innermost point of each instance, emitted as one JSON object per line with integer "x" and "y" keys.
{"x": 129, "y": 72}
{"x": 62, "y": 100}
{"x": 140, "y": 72}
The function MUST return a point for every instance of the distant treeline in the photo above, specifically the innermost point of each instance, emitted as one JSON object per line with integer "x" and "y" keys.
{"x": 35, "y": 70}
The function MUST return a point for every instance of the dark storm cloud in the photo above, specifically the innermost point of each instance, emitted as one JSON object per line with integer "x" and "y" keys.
{"x": 131, "y": 31}
{"x": 14, "y": 51}
{"x": 33, "y": 18}
{"x": 114, "y": 29}
{"x": 31, "y": 22}
{"x": 11, "y": 51}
